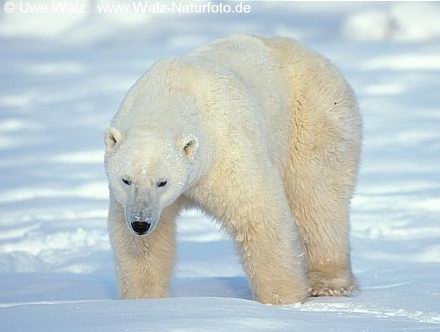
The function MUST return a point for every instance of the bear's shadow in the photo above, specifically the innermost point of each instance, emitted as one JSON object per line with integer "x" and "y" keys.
{"x": 235, "y": 287}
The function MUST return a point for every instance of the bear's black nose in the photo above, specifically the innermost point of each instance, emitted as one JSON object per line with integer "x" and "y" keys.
{"x": 140, "y": 227}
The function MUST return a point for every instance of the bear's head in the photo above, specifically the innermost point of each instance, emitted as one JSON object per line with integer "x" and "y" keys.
{"x": 148, "y": 171}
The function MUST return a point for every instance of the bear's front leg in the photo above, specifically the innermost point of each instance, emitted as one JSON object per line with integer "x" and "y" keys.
{"x": 257, "y": 215}
{"x": 273, "y": 261}
{"x": 144, "y": 264}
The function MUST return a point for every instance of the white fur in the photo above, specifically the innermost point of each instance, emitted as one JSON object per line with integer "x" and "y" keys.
{"x": 263, "y": 135}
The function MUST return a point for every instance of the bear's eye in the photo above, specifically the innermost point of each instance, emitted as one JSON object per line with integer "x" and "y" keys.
{"x": 162, "y": 183}
{"x": 127, "y": 182}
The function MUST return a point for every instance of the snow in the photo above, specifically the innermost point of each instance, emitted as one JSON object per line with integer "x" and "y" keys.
{"x": 62, "y": 80}
{"x": 402, "y": 21}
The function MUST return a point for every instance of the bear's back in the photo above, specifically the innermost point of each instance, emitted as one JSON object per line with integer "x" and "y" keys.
{"x": 256, "y": 66}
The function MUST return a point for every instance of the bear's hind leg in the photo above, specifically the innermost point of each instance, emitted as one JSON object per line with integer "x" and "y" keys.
{"x": 144, "y": 264}
{"x": 319, "y": 182}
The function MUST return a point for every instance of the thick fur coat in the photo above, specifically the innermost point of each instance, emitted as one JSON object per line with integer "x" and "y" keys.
{"x": 263, "y": 135}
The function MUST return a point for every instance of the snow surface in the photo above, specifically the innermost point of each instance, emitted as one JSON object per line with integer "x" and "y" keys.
{"x": 63, "y": 78}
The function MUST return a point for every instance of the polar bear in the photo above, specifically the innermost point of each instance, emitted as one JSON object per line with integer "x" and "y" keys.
{"x": 263, "y": 135}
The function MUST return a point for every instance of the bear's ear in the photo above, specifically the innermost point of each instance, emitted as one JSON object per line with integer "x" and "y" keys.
{"x": 189, "y": 145}
{"x": 112, "y": 137}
